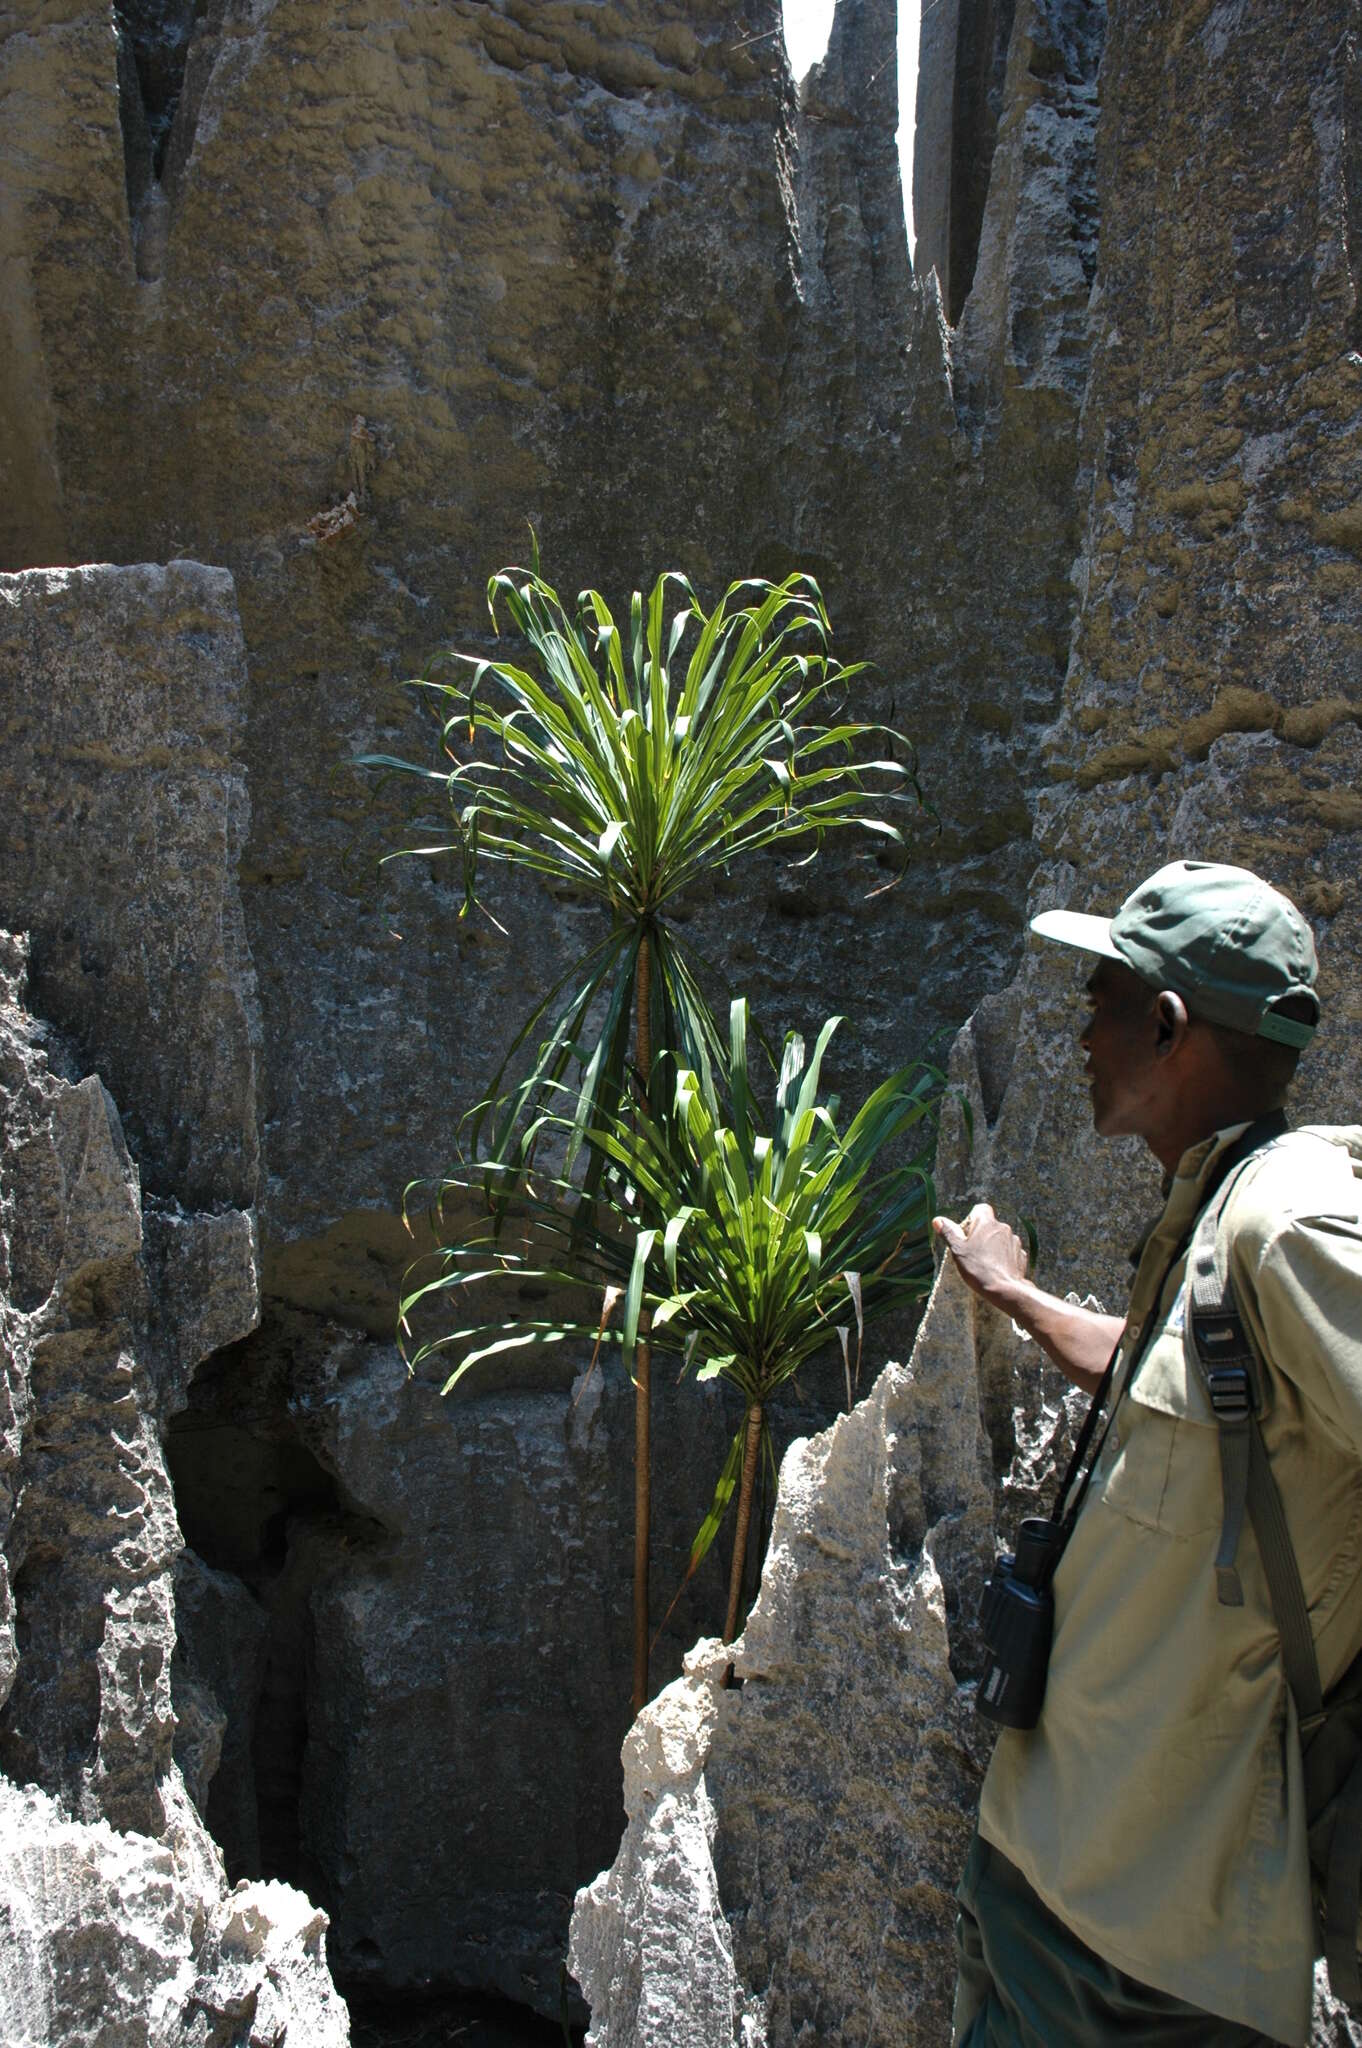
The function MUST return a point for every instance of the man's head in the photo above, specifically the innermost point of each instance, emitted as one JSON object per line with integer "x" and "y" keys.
{"x": 1202, "y": 997}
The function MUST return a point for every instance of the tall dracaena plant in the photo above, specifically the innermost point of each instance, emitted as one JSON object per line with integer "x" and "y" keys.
{"x": 630, "y": 766}
{"x": 750, "y": 1250}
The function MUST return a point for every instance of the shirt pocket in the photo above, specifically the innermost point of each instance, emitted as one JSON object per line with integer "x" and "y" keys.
{"x": 1160, "y": 1465}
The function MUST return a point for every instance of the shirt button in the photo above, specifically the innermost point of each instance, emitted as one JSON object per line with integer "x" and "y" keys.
{"x": 1132, "y": 1330}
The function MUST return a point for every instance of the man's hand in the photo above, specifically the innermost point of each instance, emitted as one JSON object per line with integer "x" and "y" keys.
{"x": 992, "y": 1260}
{"x": 989, "y": 1253}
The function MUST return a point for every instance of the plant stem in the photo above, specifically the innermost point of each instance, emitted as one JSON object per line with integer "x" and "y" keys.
{"x": 751, "y": 1452}
{"x": 643, "y": 1505}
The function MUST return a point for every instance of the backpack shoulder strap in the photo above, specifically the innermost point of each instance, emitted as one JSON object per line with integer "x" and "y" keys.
{"x": 1233, "y": 1379}
{"x": 1229, "y": 1372}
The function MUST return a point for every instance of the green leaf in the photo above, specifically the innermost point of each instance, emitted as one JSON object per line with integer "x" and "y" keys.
{"x": 675, "y": 1225}
{"x": 633, "y": 1300}
{"x": 723, "y": 1494}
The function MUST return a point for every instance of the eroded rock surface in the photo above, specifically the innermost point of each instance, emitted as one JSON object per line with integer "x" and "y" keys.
{"x": 339, "y": 298}
{"x": 793, "y": 1844}
{"x": 123, "y": 815}
{"x": 413, "y": 275}
{"x": 112, "y": 1893}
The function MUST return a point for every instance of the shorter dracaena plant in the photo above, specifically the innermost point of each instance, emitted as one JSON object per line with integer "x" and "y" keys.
{"x": 750, "y": 1251}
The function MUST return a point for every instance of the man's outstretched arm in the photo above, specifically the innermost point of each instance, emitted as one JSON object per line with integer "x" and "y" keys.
{"x": 992, "y": 1260}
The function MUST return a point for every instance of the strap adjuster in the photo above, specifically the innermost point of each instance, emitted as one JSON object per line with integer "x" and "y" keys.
{"x": 1220, "y": 1330}
{"x": 1231, "y": 1392}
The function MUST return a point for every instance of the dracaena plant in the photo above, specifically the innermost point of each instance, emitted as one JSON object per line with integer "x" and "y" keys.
{"x": 631, "y": 764}
{"x": 747, "y": 1250}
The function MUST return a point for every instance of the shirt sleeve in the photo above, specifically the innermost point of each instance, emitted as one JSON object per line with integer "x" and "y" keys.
{"x": 1303, "y": 1304}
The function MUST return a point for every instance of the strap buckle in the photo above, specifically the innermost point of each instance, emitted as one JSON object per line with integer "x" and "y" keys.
{"x": 1231, "y": 1392}
{"x": 1219, "y": 1330}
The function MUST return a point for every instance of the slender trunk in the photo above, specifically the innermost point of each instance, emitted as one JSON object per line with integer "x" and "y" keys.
{"x": 643, "y": 1506}
{"x": 751, "y": 1452}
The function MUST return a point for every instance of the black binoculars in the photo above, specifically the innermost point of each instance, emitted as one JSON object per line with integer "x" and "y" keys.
{"x": 1017, "y": 1618}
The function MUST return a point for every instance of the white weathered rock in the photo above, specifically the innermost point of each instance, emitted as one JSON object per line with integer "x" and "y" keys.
{"x": 106, "y": 1935}
{"x": 124, "y": 814}
{"x": 112, "y": 1895}
{"x": 793, "y": 1843}
{"x": 650, "y": 1945}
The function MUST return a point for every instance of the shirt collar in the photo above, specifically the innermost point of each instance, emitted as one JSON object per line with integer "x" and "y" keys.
{"x": 1197, "y": 1161}
{"x": 1185, "y": 1192}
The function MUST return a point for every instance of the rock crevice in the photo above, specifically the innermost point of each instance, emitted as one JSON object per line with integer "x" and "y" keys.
{"x": 113, "y": 1899}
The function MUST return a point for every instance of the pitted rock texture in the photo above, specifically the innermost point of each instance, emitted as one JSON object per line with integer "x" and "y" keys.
{"x": 123, "y": 813}
{"x": 112, "y": 1894}
{"x": 649, "y": 1939}
{"x": 89, "y": 1531}
{"x": 1212, "y": 703}
{"x": 394, "y": 280}
{"x": 793, "y": 1845}
{"x": 412, "y": 275}
{"x": 113, "y": 1935}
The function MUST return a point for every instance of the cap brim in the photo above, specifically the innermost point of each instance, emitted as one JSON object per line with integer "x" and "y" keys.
{"x": 1076, "y": 928}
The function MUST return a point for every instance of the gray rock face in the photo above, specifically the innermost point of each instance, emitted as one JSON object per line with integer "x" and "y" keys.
{"x": 961, "y": 85}
{"x": 384, "y": 283}
{"x": 388, "y": 284}
{"x": 112, "y": 1895}
{"x": 793, "y": 1846}
{"x": 438, "y": 1592}
{"x": 90, "y": 1530}
{"x": 123, "y": 814}
{"x": 627, "y": 289}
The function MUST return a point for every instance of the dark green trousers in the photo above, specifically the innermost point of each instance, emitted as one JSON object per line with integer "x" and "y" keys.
{"x": 1024, "y": 1981}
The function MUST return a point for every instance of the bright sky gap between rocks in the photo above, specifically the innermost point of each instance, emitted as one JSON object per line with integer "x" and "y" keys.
{"x": 808, "y": 24}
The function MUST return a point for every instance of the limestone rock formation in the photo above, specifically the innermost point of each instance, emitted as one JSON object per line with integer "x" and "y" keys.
{"x": 123, "y": 816}
{"x": 112, "y": 1894}
{"x": 402, "y": 1587}
{"x": 338, "y": 298}
{"x": 426, "y": 273}
{"x": 105, "y": 1928}
{"x": 793, "y": 1843}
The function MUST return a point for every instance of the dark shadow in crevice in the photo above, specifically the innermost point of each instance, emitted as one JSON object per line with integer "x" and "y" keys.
{"x": 166, "y": 53}
{"x": 379, "y": 2020}
{"x": 983, "y": 37}
{"x": 153, "y": 39}
{"x": 266, "y": 1523}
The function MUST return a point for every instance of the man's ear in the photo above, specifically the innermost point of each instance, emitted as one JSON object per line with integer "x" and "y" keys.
{"x": 1171, "y": 1020}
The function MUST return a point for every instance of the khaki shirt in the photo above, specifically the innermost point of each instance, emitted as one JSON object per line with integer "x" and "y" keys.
{"x": 1157, "y": 1808}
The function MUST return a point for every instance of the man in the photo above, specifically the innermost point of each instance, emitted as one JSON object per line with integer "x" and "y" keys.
{"x": 1139, "y": 1874}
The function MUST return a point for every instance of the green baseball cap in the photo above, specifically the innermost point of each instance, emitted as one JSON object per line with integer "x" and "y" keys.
{"x": 1223, "y": 939}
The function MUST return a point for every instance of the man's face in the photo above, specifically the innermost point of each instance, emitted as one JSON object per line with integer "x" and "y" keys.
{"x": 1120, "y": 1040}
